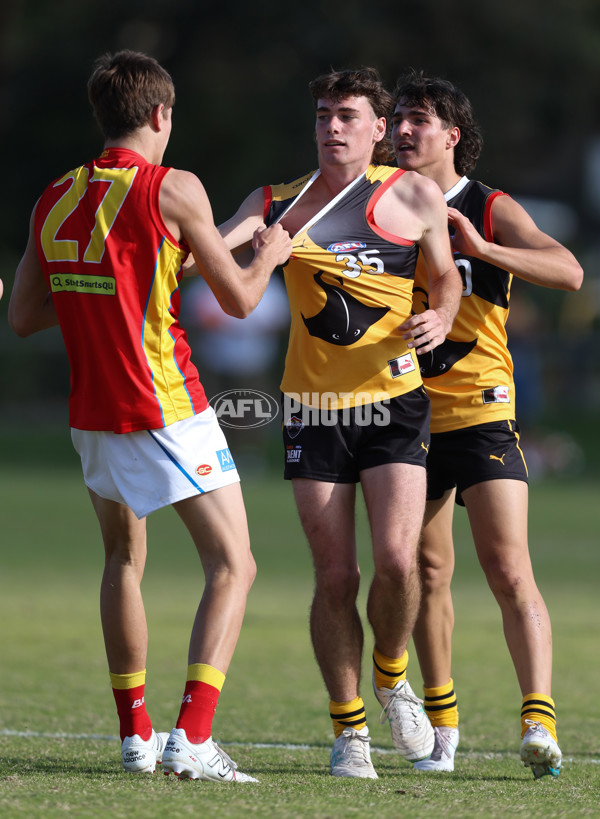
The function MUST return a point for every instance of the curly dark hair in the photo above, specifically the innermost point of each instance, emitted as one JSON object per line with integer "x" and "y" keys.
{"x": 360, "y": 82}
{"x": 124, "y": 88}
{"x": 451, "y": 106}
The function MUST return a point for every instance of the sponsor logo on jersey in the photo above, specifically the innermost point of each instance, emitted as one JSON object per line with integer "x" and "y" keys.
{"x": 203, "y": 469}
{"x": 69, "y": 283}
{"x": 225, "y": 459}
{"x": 340, "y": 247}
{"x": 299, "y": 183}
{"x": 402, "y": 365}
{"x": 244, "y": 408}
{"x": 496, "y": 395}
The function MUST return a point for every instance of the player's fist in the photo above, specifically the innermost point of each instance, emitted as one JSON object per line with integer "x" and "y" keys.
{"x": 274, "y": 241}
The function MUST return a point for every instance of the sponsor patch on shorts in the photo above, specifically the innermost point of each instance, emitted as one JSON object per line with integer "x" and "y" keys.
{"x": 225, "y": 459}
{"x": 292, "y": 454}
{"x": 294, "y": 426}
{"x": 496, "y": 395}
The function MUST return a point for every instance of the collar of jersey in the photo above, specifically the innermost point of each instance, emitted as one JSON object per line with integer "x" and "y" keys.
{"x": 456, "y": 189}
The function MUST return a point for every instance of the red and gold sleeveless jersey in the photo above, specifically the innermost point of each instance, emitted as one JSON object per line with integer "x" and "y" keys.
{"x": 469, "y": 377}
{"x": 349, "y": 286}
{"x": 113, "y": 270}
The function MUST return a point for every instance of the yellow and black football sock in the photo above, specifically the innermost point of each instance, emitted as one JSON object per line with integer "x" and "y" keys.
{"x": 538, "y": 708}
{"x": 388, "y": 671}
{"x": 128, "y": 691}
{"x": 441, "y": 705}
{"x": 347, "y": 715}
{"x": 199, "y": 703}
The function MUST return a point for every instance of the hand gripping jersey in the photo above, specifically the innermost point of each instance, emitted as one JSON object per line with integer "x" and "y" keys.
{"x": 349, "y": 286}
{"x": 113, "y": 270}
{"x": 469, "y": 377}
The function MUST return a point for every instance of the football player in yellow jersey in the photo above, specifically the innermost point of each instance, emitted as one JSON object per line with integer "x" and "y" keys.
{"x": 475, "y": 458}
{"x": 355, "y": 225}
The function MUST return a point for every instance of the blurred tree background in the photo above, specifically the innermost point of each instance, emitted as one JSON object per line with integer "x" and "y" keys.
{"x": 244, "y": 118}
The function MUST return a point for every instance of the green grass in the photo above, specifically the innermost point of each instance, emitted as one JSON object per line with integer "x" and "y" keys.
{"x": 272, "y": 717}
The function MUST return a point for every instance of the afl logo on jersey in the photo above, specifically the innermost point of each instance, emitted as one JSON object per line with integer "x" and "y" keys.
{"x": 204, "y": 469}
{"x": 340, "y": 247}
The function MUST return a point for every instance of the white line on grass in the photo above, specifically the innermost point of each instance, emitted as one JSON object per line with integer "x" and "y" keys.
{"x": 282, "y": 746}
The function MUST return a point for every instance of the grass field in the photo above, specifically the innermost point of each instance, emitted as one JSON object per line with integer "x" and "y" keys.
{"x": 60, "y": 755}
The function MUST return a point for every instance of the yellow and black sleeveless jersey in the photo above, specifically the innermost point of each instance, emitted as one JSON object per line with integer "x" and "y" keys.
{"x": 469, "y": 378}
{"x": 349, "y": 286}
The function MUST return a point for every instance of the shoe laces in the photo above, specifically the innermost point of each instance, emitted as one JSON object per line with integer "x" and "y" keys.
{"x": 225, "y": 757}
{"x": 353, "y": 750}
{"x": 442, "y": 747}
{"x": 400, "y": 693}
{"x": 537, "y": 727}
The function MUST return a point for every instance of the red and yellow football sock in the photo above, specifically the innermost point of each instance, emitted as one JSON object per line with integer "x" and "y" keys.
{"x": 538, "y": 708}
{"x": 128, "y": 691}
{"x": 347, "y": 715}
{"x": 199, "y": 703}
{"x": 388, "y": 671}
{"x": 441, "y": 705}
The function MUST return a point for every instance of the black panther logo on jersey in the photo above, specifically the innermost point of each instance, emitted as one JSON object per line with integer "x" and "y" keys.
{"x": 344, "y": 319}
{"x": 440, "y": 359}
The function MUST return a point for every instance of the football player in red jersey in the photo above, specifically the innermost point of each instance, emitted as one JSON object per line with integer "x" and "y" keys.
{"x": 104, "y": 260}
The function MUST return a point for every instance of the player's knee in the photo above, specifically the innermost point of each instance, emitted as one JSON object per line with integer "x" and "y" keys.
{"x": 124, "y": 556}
{"x": 339, "y": 583}
{"x": 251, "y": 571}
{"x": 504, "y": 581}
{"x": 397, "y": 569}
{"x": 245, "y": 571}
{"x": 435, "y": 576}
{"x": 237, "y": 571}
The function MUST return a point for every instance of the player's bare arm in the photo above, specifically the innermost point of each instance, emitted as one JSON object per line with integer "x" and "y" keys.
{"x": 427, "y": 330}
{"x": 30, "y": 308}
{"x": 187, "y": 212}
{"x": 519, "y": 247}
{"x": 238, "y": 231}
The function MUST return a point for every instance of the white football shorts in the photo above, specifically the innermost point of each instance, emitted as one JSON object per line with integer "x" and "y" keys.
{"x": 153, "y": 468}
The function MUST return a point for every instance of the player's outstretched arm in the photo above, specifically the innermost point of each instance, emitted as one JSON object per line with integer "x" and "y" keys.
{"x": 238, "y": 231}
{"x": 30, "y": 308}
{"x": 518, "y": 246}
{"x": 187, "y": 212}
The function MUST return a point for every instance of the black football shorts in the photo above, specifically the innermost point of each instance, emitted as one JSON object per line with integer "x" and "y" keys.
{"x": 335, "y": 445}
{"x": 463, "y": 457}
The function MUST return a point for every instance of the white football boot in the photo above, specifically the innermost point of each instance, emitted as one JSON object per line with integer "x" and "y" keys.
{"x": 351, "y": 755}
{"x": 539, "y": 751}
{"x": 442, "y": 756}
{"x": 141, "y": 756}
{"x": 412, "y": 732}
{"x": 204, "y": 760}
